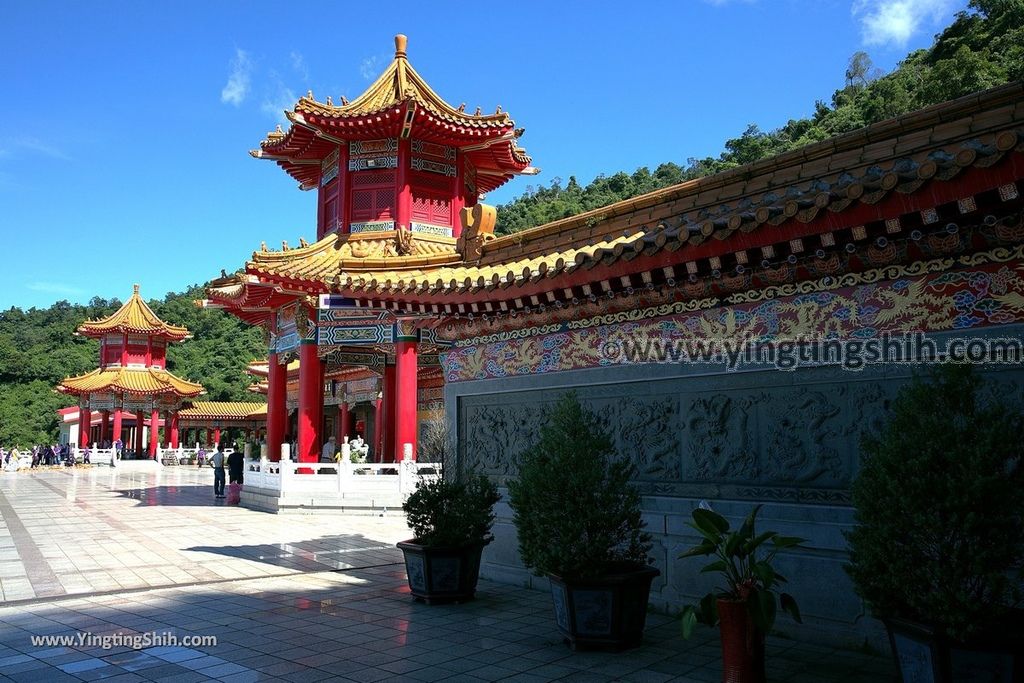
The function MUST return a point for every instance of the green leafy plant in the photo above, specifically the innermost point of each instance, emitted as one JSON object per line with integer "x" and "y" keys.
{"x": 748, "y": 577}
{"x": 574, "y": 507}
{"x": 447, "y": 512}
{"x": 939, "y": 505}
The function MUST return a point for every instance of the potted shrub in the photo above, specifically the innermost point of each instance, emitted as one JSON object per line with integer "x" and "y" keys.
{"x": 578, "y": 519}
{"x": 744, "y": 607}
{"x": 938, "y": 544}
{"x": 451, "y": 521}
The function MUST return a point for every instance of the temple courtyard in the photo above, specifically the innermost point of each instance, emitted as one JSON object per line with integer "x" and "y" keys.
{"x": 107, "y": 552}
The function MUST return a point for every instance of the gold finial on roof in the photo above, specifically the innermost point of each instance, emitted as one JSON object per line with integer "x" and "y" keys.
{"x": 400, "y": 44}
{"x": 263, "y": 246}
{"x": 135, "y": 288}
{"x": 303, "y": 242}
{"x": 284, "y": 245}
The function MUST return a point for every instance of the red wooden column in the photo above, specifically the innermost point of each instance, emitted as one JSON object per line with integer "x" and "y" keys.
{"x": 84, "y": 427}
{"x": 104, "y": 426}
{"x": 117, "y": 426}
{"x": 138, "y": 433}
{"x": 388, "y": 450}
{"x": 459, "y": 200}
{"x": 216, "y": 436}
{"x": 310, "y": 394}
{"x": 405, "y": 398}
{"x": 344, "y": 212}
{"x": 277, "y": 388}
{"x": 174, "y": 429}
{"x": 344, "y": 423}
{"x": 154, "y": 432}
{"x": 403, "y": 205}
{"x": 378, "y": 430}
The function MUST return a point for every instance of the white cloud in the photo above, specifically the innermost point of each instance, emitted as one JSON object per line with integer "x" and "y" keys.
{"x": 277, "y": 99}
{"x": 299, "y": 65}
{"x": 27, "y": 143}
{"x": 237, "y": 87}
{"x": 369, "y": 68}
{"x": 893, "y": 22}
{"x": 54, "y": 288}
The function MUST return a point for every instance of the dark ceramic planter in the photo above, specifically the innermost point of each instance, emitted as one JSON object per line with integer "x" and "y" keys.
{"x": 439, "y": 574}
{"x": 742, "y": 644}
{"x": 604, "y": 613}
{"x": 925, "y": 656}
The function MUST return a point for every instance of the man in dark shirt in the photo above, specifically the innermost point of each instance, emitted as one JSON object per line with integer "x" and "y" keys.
{"x": 236, "y": 464}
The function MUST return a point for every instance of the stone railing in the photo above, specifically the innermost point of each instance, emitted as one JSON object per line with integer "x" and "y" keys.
{"x": 287, "y": 477}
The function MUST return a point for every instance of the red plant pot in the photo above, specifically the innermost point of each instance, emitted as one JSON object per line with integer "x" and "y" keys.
{"x": 742, "y": 644}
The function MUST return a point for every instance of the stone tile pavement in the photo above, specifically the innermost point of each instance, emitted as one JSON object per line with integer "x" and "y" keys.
{"x": 86, "y": 530}
{"x": 288, "y": 599}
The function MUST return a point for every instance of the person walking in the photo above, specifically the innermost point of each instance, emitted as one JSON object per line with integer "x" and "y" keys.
{"x": 217, "y": 463}
{"x": 236, "y": 466}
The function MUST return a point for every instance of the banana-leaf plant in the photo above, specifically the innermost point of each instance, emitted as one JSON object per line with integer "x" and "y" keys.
{"x": 747, "y": 573}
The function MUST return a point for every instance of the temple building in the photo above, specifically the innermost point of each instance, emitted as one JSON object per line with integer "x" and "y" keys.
{"x": 909, "y": 226}
{"x": 393, "y": 170}
{"x": 132, "y": 383}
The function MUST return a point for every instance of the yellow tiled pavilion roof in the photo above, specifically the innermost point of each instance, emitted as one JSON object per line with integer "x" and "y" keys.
{"x": 138, "y": 381}
{"x": 224, "y": 410}
{"x": 134, "y": 317}
{"x": 399, "y": 83}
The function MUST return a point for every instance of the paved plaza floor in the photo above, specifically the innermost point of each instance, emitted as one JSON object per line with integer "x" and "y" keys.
{"x": 94, "y": 553}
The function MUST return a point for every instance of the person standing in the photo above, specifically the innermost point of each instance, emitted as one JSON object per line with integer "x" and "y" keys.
{"x": 328, "y": 451}
{"x": 217, "y": 463}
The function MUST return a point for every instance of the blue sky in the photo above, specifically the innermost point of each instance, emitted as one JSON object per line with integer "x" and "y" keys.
{"x": 123, "y": 152}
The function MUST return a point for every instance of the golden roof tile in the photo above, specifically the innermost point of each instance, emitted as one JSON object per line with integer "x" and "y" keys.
{"x": 224, "y": 410}
{"x": 135, "y": 381}
{"x": 398, "y": 84}
{"x": 134, "y": 317}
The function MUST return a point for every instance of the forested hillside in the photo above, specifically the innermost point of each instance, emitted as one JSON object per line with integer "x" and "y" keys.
{"x": 982, "y": 48}
{"x": 38, "y": 348}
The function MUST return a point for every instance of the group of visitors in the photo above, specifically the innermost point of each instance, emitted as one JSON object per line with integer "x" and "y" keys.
{"x": 236, "y": 466}
{"x": 41, "y": 455}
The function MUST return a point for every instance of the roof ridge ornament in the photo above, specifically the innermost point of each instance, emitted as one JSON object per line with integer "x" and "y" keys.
{"x": 135, "y": 288}
{"x": 401, "y": 42}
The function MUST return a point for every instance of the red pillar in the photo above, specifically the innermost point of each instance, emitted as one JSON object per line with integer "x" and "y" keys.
{"x": 388, "y": 450}
{"x": 277, "y": 387}
{"x": 310, "y": 395}
{"x": 460, "y": 195}
{"x": 138, "y": 433}
{"x": 117, "y": 426}
{"x": 403, "y": 207}
{"x": 174, "y": 429}
{"x": 154, "y": 432}
{"x": 216, "y": 435}
{"x": 378, "y": 430}
{"x": 406, "y": 422}
{"x": 344, "y": 423}
{"x": 104, "y": 426}
{"x": 84, "y": 427}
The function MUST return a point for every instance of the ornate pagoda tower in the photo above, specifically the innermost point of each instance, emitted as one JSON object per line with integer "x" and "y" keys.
{"x": 132, "y": 376}
{"x": 396, "y": 158}
{"x": 398, "y": 171}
